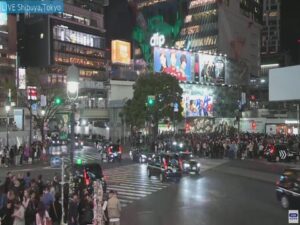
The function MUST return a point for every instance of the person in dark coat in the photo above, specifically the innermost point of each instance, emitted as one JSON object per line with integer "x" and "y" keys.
{"x": 73, "y": 211}
{"x": 55, "y": 211}
{"x": 85, "y": 210}
{"x": 6, "y": 214}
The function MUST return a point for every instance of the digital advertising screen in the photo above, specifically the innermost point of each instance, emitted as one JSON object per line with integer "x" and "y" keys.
{"x": 121, "y": 52}
{"x": 197, "y": 101}
{"x": 209, "y": 68}
{"x": 173, "y": 62}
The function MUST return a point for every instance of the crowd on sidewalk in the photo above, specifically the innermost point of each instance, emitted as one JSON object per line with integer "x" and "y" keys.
{"x": 216, "y": 145}
{"x": 28, "y": 201}
{"x": 13, "y": 155}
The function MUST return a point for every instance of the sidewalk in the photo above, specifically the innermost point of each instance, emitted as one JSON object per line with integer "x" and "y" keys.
{"x": 282, "y": 164}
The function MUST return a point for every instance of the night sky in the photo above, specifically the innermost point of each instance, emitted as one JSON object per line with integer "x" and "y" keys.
{"x": 119, "y": 21}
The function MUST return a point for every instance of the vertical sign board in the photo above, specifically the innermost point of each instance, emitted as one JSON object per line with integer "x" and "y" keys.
{"x": 121, "y": 52}
{"x": 19, "y": 118}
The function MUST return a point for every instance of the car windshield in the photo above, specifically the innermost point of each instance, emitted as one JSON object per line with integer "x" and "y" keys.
{"x": 94, "y": 170}
{"x": 114, "y": 148}
{"x": 171, "y": 159}
{"x": 281, "y": 147}
{"x": 186, "y": 156}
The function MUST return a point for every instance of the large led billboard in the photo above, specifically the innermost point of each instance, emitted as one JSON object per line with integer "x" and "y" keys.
{"x": 197, "y": 101}
{"x": 188, "y": 66}
{"x": 173, "y": 62}
{"x": 284, "y": 84}
{"x": 209, "y": 68}
{"x": 120, "y": 52}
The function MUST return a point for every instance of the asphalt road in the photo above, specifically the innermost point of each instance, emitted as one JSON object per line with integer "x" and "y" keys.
{"x": 218, "y": 197}
{"x": 227, "y": 193}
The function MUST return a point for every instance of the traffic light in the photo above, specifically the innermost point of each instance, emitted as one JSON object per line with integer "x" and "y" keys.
{"x": 57, "y": 101}
{"x": 79, "y": 161}
{"x": 150, "y": 100}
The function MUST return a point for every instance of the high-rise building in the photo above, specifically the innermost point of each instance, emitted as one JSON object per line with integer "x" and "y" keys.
{"x": 289, "y": 31}
{"x": 225, "y": 27}
{"x": 76, "y": 36}
{"x": 270, "y": 35}
{"x": 8, "y": 49}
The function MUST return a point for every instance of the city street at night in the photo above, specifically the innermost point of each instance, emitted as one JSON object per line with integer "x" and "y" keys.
{"x": 149, "y": 112}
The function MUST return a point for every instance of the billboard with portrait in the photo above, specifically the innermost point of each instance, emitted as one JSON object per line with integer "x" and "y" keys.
{"x": 197, "y": 101}
{"x": 209, "y": 68}
{"x": 174, "y": 62}
{"x": 120, "y": 52}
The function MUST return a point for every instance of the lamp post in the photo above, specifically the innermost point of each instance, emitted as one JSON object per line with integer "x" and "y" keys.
{"x": 72, "y": 92}
{"x": 7, "y": 109}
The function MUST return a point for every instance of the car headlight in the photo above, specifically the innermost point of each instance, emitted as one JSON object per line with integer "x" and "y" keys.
{"x": 143, "y": 156}
{"x": 186, "y": 165}
{"x": 198, "y": 164}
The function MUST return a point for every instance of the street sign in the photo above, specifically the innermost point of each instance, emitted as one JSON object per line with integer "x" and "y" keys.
{"x": 176, "y": 107}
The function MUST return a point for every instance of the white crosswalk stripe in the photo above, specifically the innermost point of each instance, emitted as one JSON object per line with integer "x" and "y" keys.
{"x": 131, "y": 183}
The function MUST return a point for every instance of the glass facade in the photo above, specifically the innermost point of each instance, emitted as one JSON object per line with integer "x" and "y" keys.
{"x": 270, "y": 35}
{"x": 65, "y": 34}
{"x": 200, "y": 29}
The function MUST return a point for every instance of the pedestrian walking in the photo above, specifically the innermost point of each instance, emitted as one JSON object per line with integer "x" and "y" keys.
{"x": 113, "y": 208}
{"x": 42, "y": 216}
{"x": 73, "y": 210}
{"x": 55, "y": 211}
{"x": 19, "y": 214}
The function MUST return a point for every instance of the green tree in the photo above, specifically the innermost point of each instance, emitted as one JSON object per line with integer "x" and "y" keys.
{"x": 39, "y": 78}
{"x": 166, "y": 90}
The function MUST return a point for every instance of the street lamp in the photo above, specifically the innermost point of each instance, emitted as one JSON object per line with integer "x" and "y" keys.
{"x": 7, "y": 109}
{"x": 72, "y": 92}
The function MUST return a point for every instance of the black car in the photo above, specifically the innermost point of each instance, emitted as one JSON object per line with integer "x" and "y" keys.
{"x": 279, "y": 152}
{"x": 189, "y": 163}
{"x": 288, "y": 188}
{"x": 165, "y": 166}
{"x": 84, "y": 175}
{"x": 140, "y": 155}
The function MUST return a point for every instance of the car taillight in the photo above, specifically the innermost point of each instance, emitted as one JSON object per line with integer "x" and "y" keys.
{"x": 181, "y": 164}
{"x": 86, "y": 178}
{"x": 110, "y": 150}
{"x": 120, "y": 149}
{"x": 272, "y": 150}
{"x": 165, "y": 164}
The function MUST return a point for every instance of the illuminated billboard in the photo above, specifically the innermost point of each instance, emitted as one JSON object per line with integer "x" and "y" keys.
{"x": 197, "y": 101}
{"x": 173, "y": 62}
{"x": 120, "y": 52}
{"x": 209, "y": 68}
{"x": 188, "y": 66}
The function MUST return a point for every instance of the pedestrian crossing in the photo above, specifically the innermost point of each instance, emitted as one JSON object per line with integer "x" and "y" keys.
{"x": 132, "y": 183}
{"x": 85, "y": 157}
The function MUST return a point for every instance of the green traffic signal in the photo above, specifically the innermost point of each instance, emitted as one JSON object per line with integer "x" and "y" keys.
{"x": 79, "y": 161}
{"x": 57, "y": 101}
{"x": 151, "y": 100}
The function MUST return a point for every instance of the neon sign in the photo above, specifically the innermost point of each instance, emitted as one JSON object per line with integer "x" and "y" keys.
{"x": 157, "y": 40}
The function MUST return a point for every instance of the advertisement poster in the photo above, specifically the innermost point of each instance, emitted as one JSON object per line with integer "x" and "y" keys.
{"x": 121, "y": 52}
{"x": 197, "y": 101}
{"x": 209, "y": 68}
{"x": 173, "y": 62}
{"x": 201, "y": 125}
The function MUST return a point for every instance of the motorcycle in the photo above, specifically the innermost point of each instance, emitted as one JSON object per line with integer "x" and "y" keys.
{"x": 114, "y": 157}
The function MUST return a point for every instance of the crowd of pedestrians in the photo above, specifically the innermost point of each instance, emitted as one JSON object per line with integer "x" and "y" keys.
{"x": 28, "y": 201}
{"x": 23, "y": 154}
{"x": 216, "y": 145}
